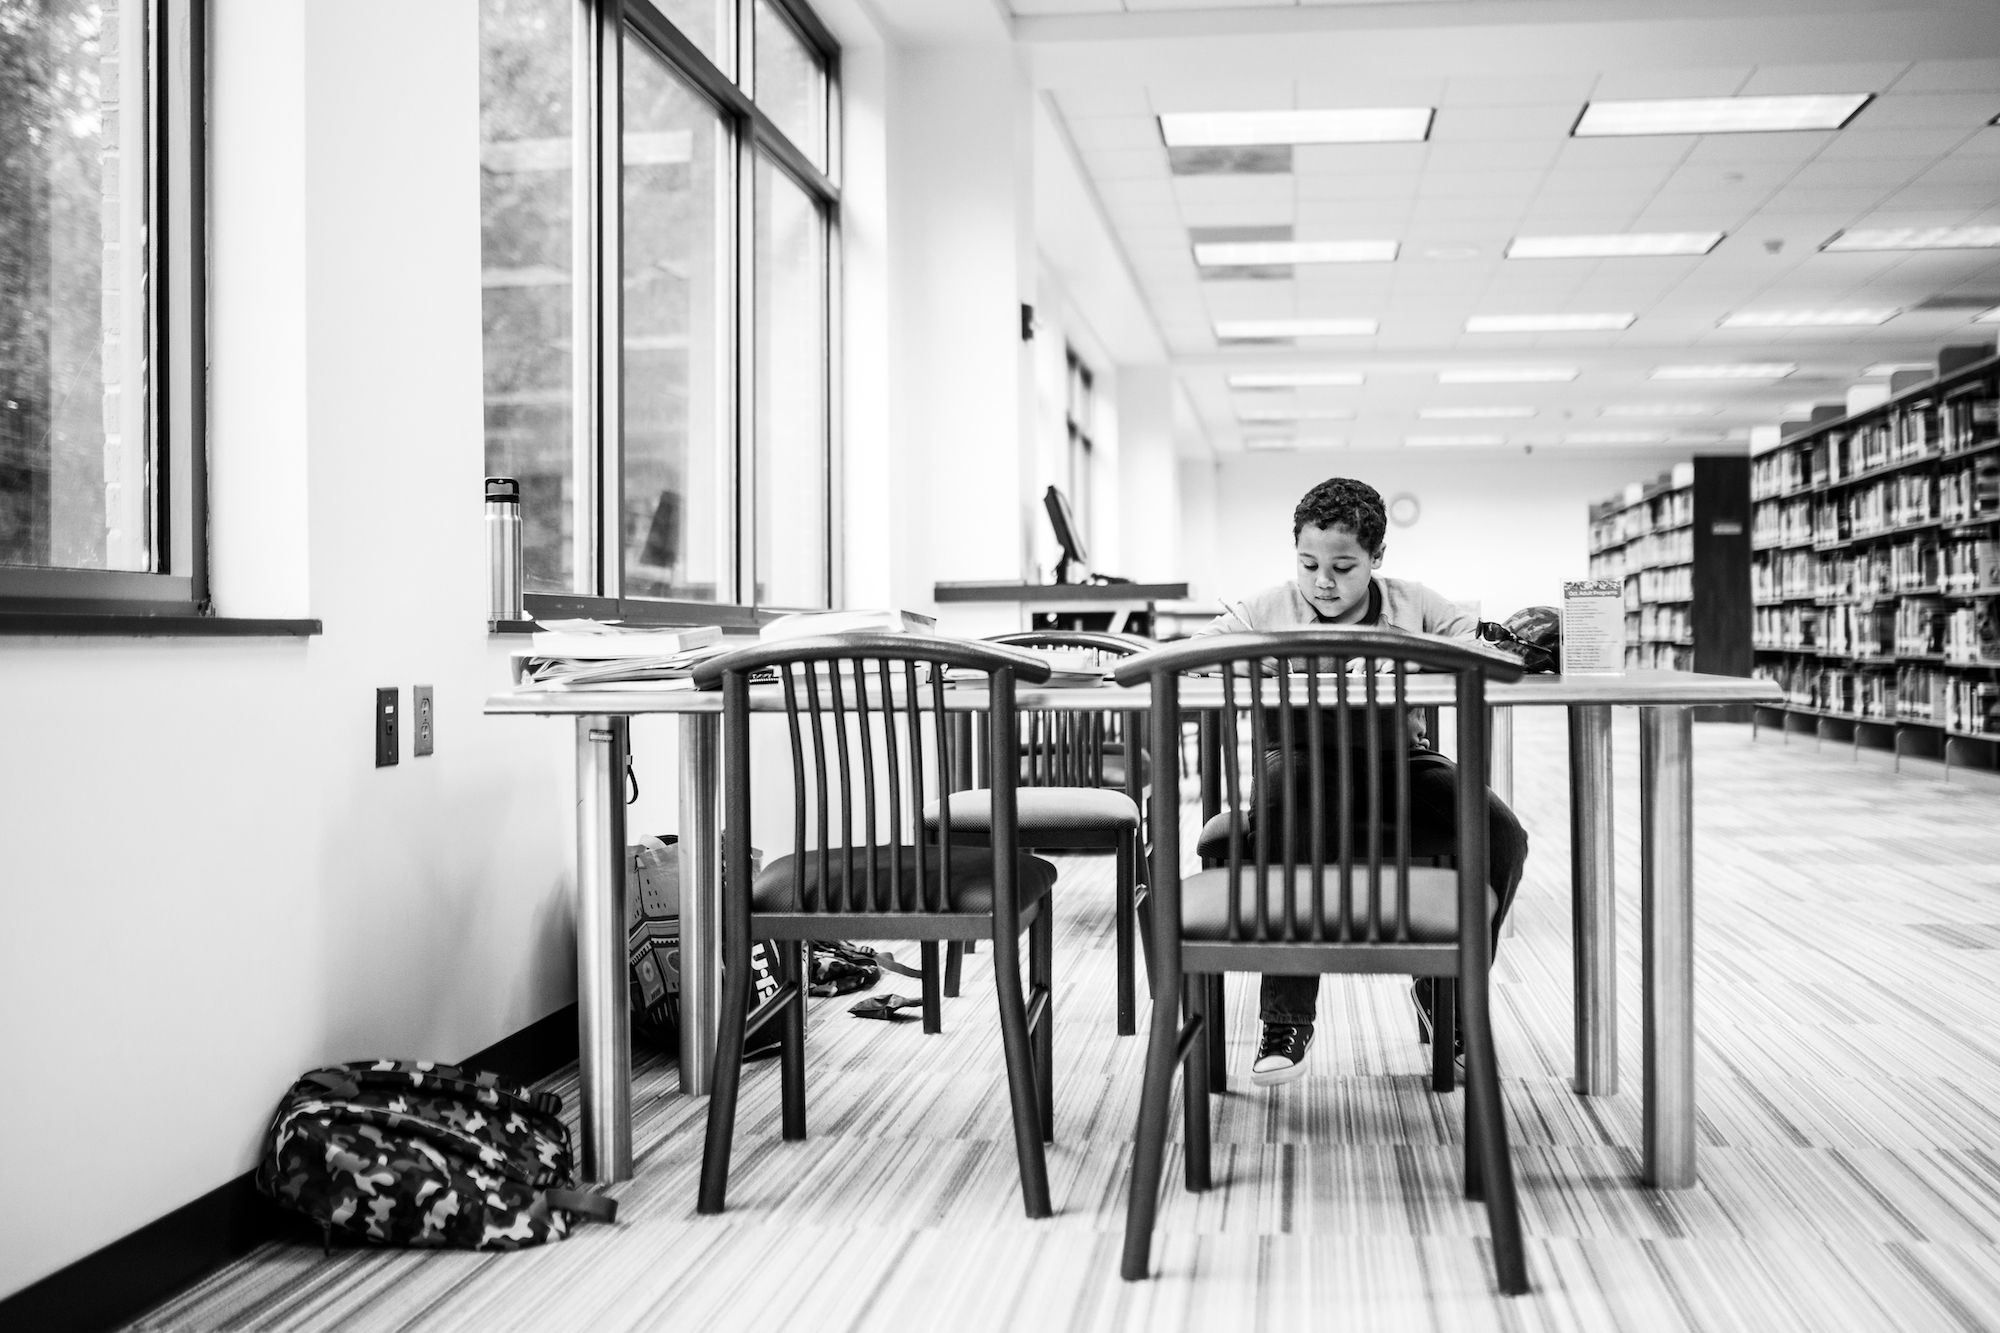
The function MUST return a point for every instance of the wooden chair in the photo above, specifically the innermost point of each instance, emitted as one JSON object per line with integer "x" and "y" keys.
{"x": 861, "y": 711}
{"x": 1082, "y": 783}
{"x": 1298, "y": 898}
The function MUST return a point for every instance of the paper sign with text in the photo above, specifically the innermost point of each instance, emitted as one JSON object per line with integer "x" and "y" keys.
{"x": 1593, "y": 637}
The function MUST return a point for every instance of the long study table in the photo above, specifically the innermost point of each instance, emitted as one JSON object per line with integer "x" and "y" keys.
{"x": 1666, "y": 701}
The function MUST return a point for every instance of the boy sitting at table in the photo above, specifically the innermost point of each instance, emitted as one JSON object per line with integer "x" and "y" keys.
{"x": 1337, "y": 532}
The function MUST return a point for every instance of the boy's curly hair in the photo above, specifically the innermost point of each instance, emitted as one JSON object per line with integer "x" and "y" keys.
{"x": 1342, "y": 502}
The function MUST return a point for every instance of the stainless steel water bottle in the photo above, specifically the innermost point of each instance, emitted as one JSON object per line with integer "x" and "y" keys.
{"x": 503, "y": 549}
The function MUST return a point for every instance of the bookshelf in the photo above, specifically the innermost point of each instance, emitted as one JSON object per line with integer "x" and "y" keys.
{"x": 1681, "y": 547}
{"x": 1876, "y": 569}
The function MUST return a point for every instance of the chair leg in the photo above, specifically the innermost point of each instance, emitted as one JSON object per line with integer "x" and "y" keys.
{"x": 1126, "y": 879}
{"x": 1217, "y": 1035}
{"x": 726, "y": 1080}
{"x": 954, "y": 961}
{"x": 1142, "y": 909}
{"x": 1200, "y": 998}
{"x": 1150, "y": 1142}
{"x": 933, "y": 1002}
{"x": 1486, "y": 1112}
{"x": 1041, "y": 982}
{"x": 1018, "y": 1047}
{"x": 795, "y": 969}
{"x": 1444, "y": 1034}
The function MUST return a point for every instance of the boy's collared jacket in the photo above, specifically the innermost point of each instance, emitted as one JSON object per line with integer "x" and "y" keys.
{"x": 1402, "y": 604}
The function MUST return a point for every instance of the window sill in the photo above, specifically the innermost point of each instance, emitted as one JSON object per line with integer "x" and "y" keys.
{"x": 74, "y": 625}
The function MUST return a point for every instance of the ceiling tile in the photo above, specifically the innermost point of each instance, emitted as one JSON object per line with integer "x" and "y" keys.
{"x": 1358, "y": 158}
{"x": 1713, "y": 81}
{"x": 1950, "y": 76}
{"x": 1250, "y": 191}
{"x": 1115, "y": 132}
{"x": 1526, "y": 155}
{"x": 1662, "y": 150}
{"x": 1920, "y": 110}
{"x": 1126, "y": 163}
{"x": 1327, "y": 185}
{"x": 1856, "y": 171}
{"x": 1259, "y": 95}
{"x": 1555, "y": 88}
{"x": 1785, "y": 146}
{"x": 1361, "y": 90}
{"x": 1859, "y": 141}
{"x": 1237, "y": 213}
{"x": 1109, "y": 100}
{"x": 1869, "y": 77}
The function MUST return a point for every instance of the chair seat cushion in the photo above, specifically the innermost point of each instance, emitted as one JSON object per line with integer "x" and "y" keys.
{"x": 968, "y": 887}
{"x": 1043, "y": 810}
{"x": 1433, "y": 903}
{"x": 1213, "y": 842}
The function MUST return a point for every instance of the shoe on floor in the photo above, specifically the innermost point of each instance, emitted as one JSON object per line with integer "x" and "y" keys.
{"x": 1281, "y": 1054}
{"x": 1425, "y": 998}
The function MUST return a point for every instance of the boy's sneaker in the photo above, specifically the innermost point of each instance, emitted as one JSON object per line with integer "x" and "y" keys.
{"x": 1426, "y": 1000}
{"x": 1281, "y": 1054}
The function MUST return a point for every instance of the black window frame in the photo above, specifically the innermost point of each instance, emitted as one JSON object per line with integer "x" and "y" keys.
{"x": 598, "y": 591}
{"x": 45, "y": 599}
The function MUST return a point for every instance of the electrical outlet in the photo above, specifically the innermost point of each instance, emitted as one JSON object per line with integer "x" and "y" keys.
{"x": 425, "y": 719}
{"x": 388, "y": 703}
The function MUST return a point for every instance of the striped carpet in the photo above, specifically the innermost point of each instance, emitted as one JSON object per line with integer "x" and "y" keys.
{"x": 1849, "y": 1068}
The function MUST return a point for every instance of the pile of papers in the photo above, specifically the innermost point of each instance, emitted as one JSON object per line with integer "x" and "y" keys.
{"x": 1068, "y": 668}
{"x": 590, "y": 654}
{"x": 811, "y": 624}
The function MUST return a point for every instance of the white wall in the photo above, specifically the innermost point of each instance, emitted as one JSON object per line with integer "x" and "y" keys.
{"x": 209, "y": 887}
{"x": 1501, "y": 531}
{"x": 960, "y": 222}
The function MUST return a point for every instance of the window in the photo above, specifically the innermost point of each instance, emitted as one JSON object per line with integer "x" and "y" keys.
{"x": 657, "y": 234}
{"x": 1079, "y": 412}
{"x": 100, "y": 307}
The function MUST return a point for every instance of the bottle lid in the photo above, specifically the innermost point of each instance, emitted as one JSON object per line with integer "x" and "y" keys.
{"x": 504, "y": 489}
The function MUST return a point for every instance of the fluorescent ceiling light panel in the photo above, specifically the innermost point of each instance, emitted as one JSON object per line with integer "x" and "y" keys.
{"x": 1799, "y": 410}
{"x": 1808, "y": 319}
{"x": 1546, "y": 323}
{"x": 1719, "y": 115}
{"x": 1884, "y": 369}
{"x": 1741, "y": 370}
{"x": 1617, "y": 246}
{"x": 1472, "y": 413}
{"x": 1294, "y": 328}
{"x": 1221, "y": 129}
{"x": 1615, "y": 437}
{"x": 1915, "y": 238}
{"x": 1445, "y": 441}
{"x": 1269, "y": 443}
{"x": 1246, "y": 254}
{"x": 1304, "y": 379}
{"x": 1294, "y": 414}
{"x": 1659, "y": 410}
{"x": 1509, "y": 375}
{"x": 1990, "y": 317}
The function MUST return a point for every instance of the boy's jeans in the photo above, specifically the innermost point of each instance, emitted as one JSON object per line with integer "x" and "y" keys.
{"x": 1433, "y": 797}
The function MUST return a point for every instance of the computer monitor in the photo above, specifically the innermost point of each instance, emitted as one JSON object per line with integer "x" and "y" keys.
{"x": 1063, "y": 520}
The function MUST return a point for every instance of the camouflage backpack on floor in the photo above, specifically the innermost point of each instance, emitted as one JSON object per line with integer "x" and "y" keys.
{"x": 407, "y": 1152}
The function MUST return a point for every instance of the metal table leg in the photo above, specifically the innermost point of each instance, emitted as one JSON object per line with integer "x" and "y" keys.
{"x": 1666, "y": 895}
{"x": 1593, "y": 900}
{"x": 701, "y": 899}
{"x": 604, "y": 1015}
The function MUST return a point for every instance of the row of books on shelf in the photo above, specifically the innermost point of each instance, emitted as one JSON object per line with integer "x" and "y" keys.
{"x": 1923, "y": 428}
{"x": 1969, "y": 494}
{"x": 1663, "y": 622}
{"x": 1954, "y": 565}
{"x": 1664, "y": 585}
{"x": 1670, "y": 509}
{"x": 1649, "y": 552}
{"x": 1658, "y": 656}
{"x": 1909, "y": 694}
{"x": 1962, "y": 633}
